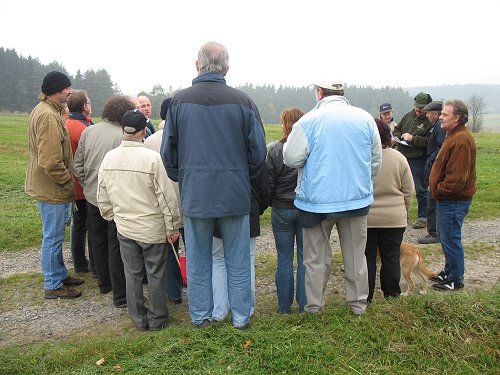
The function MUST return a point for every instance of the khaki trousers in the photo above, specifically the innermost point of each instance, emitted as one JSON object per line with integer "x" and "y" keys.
{"x": 318, "y": 259}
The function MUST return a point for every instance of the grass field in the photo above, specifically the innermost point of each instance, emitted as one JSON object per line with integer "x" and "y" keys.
{"x": 20, "y": 225}
{"x": 454, "y": 333}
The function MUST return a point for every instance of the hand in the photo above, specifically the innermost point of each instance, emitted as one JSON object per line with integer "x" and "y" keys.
{"x": 171, "y": 238}
{"x": 407, "y": 137}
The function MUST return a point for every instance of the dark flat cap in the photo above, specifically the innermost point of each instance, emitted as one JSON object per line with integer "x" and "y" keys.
{"x": 436, "y": 106}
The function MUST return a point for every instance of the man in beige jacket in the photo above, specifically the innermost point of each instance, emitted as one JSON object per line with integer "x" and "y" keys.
{"x": 135, "y": 191}
{"x": 49, "y": 180}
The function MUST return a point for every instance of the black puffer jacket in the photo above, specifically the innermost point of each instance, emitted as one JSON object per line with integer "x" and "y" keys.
{"x": 282, "y": 179}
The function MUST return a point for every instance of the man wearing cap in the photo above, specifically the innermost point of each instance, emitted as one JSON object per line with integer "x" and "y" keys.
{"x": 414, "y": 129}
{"x": 49, "y": 180}
{"x": 436, "y": 139}
{"x": 94, "y": 143}
{"x": 387, "y": 115}
{"x": 135, "y": 191}
{"x": 453, "y": 184}
{"x": 338, "y": 150}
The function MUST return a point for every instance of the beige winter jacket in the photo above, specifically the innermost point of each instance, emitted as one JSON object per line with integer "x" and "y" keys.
{"x": 393, "y": 190}
{"x": 50, "y": 161}
{"x": 135, "y": 191}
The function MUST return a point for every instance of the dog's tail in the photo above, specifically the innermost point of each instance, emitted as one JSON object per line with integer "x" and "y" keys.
{"x": 422, "y": 267}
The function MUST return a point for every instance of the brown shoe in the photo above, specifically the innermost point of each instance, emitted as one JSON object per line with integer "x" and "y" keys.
{"x": 73, "y": 281}
{"x": 63, "y": 292}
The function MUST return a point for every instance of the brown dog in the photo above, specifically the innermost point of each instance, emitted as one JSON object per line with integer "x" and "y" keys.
{"x": 411, "y": 260}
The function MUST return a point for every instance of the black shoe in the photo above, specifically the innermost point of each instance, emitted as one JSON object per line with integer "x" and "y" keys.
{"x": 440, "y": 277}
{"x": 206, "y": 323}
{"x": 121, "y": 305}
{"x": 105, "y": 289}
{"x": 160, "y": 327}
{"x": 73, "y": 281}
{"x": 448, "y": 285}
{"x": 421, "y": 223}
{"x": 428, "y": 239}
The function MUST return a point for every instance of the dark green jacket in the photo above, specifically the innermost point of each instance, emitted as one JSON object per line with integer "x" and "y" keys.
{"x": 419, "y": 127}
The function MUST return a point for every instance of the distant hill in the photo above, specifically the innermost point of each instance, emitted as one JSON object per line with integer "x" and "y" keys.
{"x": 490, "y": 93}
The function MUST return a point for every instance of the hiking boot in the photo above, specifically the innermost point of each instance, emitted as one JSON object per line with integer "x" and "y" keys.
{"x": 63, "y": 292}
{"x": 421, "y": 223}
{"x": 448, "y": 285}
{"x": 73, "y": 281}
{"x": 440, "y": 277}
{"x": 203, "y": 324}
{"x": 430, "y": 238}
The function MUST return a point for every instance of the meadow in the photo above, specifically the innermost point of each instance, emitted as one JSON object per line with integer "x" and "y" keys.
{"x": 454, "y": 333}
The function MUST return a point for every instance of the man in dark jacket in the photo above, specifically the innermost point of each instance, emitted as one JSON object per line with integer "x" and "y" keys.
{"x": 414, "y": 129}
{"x": 436, "y": 139}
{"x": 213, "y": 144}
{"x": 453, "y": 184}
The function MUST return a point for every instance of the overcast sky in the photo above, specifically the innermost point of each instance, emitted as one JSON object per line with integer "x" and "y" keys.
{"x": 143, "y": 42}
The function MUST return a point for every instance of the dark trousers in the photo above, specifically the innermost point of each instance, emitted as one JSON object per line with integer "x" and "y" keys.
{"x": 421, "y": 189}
{"x": 79, "y": 237}
{"x": 174, "y": 276}
{"x": 106, "y": 253}
{"x": 388, "y": 241}
{"x": 431, "y": 216}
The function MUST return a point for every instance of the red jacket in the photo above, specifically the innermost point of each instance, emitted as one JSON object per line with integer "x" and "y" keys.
{"x": 76, "y": 128}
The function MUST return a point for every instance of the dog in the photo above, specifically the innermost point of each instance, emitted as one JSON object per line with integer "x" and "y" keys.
{"x": 411, "y": 261}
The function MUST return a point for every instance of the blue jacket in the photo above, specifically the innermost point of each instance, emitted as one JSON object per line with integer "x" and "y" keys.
{"x": 337, "y": 148}
{"x": 213, "y": 143}
{"x": 436, "y": 139}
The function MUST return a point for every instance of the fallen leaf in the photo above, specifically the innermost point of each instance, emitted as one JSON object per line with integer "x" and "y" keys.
{"x": 100, "y": 362}
{"x": 247, "y": 344}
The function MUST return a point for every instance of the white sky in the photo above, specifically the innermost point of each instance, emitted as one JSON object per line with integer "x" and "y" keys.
{"x": 281, "y": 42}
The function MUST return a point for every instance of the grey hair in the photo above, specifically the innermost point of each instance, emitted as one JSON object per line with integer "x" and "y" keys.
{"x": 459, "y": 109}
{"x": 213, "y": 57}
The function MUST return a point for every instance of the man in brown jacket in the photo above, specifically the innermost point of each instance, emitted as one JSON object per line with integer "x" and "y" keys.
{"x": 49, "y": 180}
{"x": 453, "y": 183}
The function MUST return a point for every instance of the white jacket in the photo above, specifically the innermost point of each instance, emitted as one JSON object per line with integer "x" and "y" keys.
{"x": 135, "y": 191}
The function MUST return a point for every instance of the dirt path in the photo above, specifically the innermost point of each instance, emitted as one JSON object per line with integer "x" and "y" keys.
{"x": 25, "y": 316}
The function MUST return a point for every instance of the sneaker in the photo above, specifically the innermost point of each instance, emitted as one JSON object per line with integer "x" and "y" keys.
{"x": 440, "y": 277}
{"x": 421, "y": 223}
{"x": 448, "y": 285}
{"x": 428, "y": 239}
{"x": 203, "y": 324}
{"x": 63, "y": 292}
{"x": 73, "y": 281}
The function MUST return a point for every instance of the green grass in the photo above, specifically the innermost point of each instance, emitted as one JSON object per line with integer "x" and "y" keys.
{"x": 456, "y": 334}
{"x": 20, "y": 225}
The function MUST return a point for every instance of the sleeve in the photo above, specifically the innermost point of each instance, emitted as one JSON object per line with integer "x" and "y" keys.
{"x": 271, "y": 173}
{"x": 78, "y": 161}
{"x": 264, "y": 189}
{"x": 257, "y": 148}
{"x": 376, "y": 151}
{"x": 167, "y": 199}
{"x": 105, "y": 206}
{"x": 169, "y": 149}
{"x": 50, "y": 152}
{"x": 296, "y": 148}
{"x": 407, "y": 184}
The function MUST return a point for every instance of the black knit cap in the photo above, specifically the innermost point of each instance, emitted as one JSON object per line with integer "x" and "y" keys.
{"x": 54, "y": 82}
{"x": 133, "y": 121}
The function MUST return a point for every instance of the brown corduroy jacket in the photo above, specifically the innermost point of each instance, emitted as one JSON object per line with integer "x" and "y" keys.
{"x": 453, "y": 175}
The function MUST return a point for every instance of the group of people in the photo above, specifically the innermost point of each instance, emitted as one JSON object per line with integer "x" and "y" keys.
{"x": 206, "y": 175}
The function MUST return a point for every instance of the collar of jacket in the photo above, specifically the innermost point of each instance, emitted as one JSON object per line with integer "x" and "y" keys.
{"x": 57, "y": 106}
{"x": 132, "y": 144}
{"x": 209, "y": 77}
{"x": 332, "y": 99}
{"x": 80, "y": 116}
{"x": 455, "y": 129}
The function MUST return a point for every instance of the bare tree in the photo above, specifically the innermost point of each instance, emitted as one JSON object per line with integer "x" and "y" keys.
{"x": 477, "y": 107}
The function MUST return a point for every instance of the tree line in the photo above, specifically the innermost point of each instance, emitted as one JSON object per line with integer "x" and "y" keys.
{"x": 20, "y": 81}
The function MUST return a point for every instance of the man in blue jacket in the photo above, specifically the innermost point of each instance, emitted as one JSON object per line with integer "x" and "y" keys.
{"x": 337, "y": 148}
{"x": 213, "y": 144}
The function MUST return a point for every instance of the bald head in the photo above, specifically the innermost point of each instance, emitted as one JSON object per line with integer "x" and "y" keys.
{"x": 145, "y": 105}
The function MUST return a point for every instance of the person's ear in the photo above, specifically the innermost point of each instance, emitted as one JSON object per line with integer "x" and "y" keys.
{"x": 197, "y": 63}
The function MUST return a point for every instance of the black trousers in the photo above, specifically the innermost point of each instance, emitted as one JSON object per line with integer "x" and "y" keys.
{"x": 79, "y": 237}
{"x": 106, "y": 253}
{"x": 388, "y": 241}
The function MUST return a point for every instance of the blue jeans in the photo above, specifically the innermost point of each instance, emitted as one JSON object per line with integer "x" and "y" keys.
{"x": 417, "y": 170}
{"x": 219, "y": 278}
{"x": 287, "y": 230}
{"x": 235, "y": 231}
{"x": 450, "y": 217}
{"x": 53, "y": 221}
